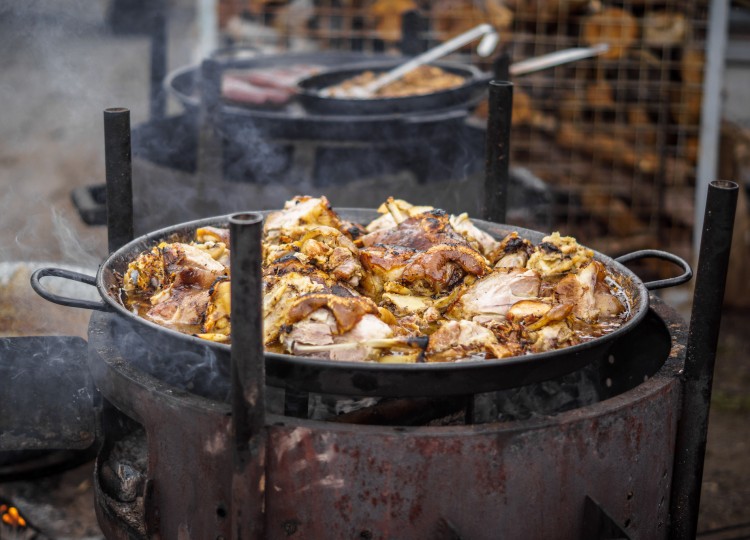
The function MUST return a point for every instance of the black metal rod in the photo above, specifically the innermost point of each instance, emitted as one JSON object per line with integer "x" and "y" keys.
{"x": 248, "y": 363}
{"x": 118, "y": 167}
{"x": 700, "y": 356}
{"x": 210, "y": 155}
{"x": 159, "y": 43}
{"x": 497, "y": 164}
{"x": 411, "y": 25}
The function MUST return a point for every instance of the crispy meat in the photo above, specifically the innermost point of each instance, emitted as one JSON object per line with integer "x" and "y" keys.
{"x": 301, "y": 211}
{"x": 419, "y": 232}
{"x": 558, "y": 255}
{"x": 441, "y": 267}
{"x": 460, "y": 339}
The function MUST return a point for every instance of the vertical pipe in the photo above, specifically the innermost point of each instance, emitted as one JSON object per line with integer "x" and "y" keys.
{"x": 248, "y": 377}
{"x": 158, "y": 97}
{"x": 210, "y": 155}
{"x": 710, "y": 124}
{"x": 118, "y": 168}
{"x": 700, "y": 356}
{"x": 411, "y": 23}
{"x": 248, "y": 367}
{"x": 496, "y": 178}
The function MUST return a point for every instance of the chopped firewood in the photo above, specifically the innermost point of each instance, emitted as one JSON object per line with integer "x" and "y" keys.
{"x": 685, "y": 101}
{"x": 664, "y": 29}
{"x": 614, "y": 26}
{"x": 570, "y": 106}
{"x": 641, "y": 126}
{"x": 546, "y": 11}
{"x": 524, "y": 113}
{"x": 454, "y": 17}
{"x": 600, "y": 94}
{"x": 607, "y": 147}
{"x": 618, "y": 217}
{"x": 387, "y": 15}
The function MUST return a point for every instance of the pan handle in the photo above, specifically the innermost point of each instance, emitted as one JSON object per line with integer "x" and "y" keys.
{"x": 666, "y": 256}
{"x": 36, "y": 284}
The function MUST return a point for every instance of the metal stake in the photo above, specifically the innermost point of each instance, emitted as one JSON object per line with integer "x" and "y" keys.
{"x": 497, "y": 165}
{"x": 118, "y": 166}
{"x": 248, "y": 376}
{"x": 703, "y": 337}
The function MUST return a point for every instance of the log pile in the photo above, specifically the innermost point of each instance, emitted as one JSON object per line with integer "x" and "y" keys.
{"x": 623, "y": 125}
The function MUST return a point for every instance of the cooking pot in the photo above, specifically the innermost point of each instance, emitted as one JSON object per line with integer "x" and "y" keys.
{"x": 359, "y": 378}
{"x": 311, "y": 98}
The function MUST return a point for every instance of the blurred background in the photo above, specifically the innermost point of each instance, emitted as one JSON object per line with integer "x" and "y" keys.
{"x": 615, "y": 150}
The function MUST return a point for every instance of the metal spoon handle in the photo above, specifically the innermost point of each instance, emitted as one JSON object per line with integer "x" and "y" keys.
{"x": 429, "y": 56}
{"x": 556, "y": 58}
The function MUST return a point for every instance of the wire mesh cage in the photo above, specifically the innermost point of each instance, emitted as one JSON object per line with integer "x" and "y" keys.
{"x": 614, "y": 139}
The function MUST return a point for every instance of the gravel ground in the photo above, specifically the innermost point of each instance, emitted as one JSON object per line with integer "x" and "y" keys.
{"x": 61, "y": 67}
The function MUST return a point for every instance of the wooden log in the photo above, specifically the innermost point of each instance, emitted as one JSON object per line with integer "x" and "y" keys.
{"x": 613, "y": 26}
{"x": 548, "y": 11}
{"x": 386, "y": 16}
{"x": 664, "y": 29}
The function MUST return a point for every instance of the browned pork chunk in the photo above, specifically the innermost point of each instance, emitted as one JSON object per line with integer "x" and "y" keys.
{"x": 419, "y": 232}
{"x": 455, "y": 340}
{"x": 495, "y": 293}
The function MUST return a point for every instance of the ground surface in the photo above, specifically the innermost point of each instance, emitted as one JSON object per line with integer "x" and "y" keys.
{"x": 60, "y": 67}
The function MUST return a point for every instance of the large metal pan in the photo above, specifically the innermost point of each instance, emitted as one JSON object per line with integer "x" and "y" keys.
{"x": 358, "y": 378}
{"x": 314, "y": 101}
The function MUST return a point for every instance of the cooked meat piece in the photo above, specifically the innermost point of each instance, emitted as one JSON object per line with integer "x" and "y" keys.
{"x": 496, "y": 293}
{"x": 528, "y": 309}
{"x": 328, "y": 249}
{"x": 315, "y": 336}
{"x": 553, "y": 336}
{"x": 559, "y": 254}
{"x": 347, "y": 311}
{"x": 441, "y": 267}
{"x": 419, "y": 232}
{"x": 219, "y": 309}
{"x": 179, "y": 307}
{"x": 188, "y": 265}
{"x": 455, "y": 340}
{"x": 588, "y": 293}
{"x": 512, "y": 252}
{"x": 394, "y": 212}
{"x": 301, "y": 211}
{"x": 482, "y": 241}
{"x": 212, "y": 234}
{"x": 279, "y": 295}
{"x": 406, "y": 304}
{"x": 382, "y": 264}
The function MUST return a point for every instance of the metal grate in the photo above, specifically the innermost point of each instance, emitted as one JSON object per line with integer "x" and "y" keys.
{"x": 615, "y": 139}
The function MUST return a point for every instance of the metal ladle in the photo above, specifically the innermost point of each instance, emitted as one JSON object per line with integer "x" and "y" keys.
{"x": 485, "y": 48}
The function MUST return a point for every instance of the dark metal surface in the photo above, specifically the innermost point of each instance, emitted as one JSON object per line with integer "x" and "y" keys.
{"x": 158, "y": 65}
{"x": 497, "y": 155}
{"x": 48, "y": 399}
{"x": 367, "y": 378}
{"x": 525, "y": 479}
{"x": 333, "y": 480}
{"x": 703, "y": 337}
{"x": 119, "y": 173}
{"x": 248, "y": 374}
{"x": 311, "y": 99}
{"x": 294, "y": 122}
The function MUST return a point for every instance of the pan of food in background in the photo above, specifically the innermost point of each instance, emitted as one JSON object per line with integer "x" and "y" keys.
{"x": 462, "y": 266}
{"x": 427, "y": 88}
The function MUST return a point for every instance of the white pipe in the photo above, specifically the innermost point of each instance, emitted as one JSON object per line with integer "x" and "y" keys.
{"x": 710, "y": 127}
